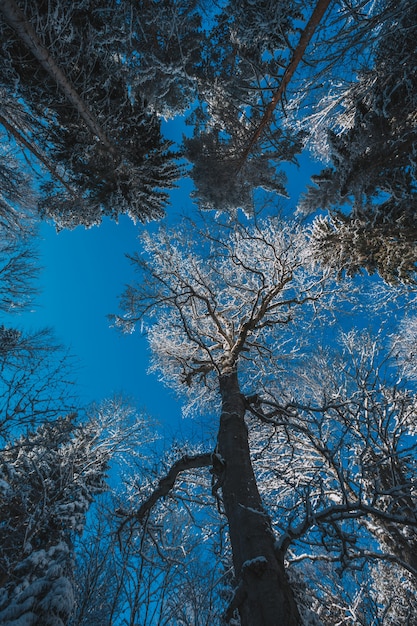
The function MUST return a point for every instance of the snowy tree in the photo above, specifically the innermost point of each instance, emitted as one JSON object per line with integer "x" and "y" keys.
{"x": 67, "y": 62}
{"x": 359, "y": 416}
{"x": 237, "y": 73}
{"x": 298, "y": 504}
{"x": 219, "y": 180}
{"x": 167, "y": 42}
{"x": 328, "y": 460}
{"x": 48, "y": 480}
{"x": 370, "y": 188}
{"x": 217, "y": 319}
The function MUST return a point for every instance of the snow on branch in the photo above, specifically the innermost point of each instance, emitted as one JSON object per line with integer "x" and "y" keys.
{"x": 221, "y": 300}
{"x": 305, "y": 38}
{"x": 166, "y": 484}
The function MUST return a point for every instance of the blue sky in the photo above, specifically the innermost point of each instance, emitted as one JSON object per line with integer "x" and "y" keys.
{"x": 83, "y": 275}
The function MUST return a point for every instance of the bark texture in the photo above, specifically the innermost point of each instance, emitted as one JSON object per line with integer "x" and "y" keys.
{"x": 264, "y": 596}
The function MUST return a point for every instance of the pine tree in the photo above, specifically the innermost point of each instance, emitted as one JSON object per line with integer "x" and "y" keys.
{"x": 373, "y": 173}
{"x": 48, "y": 480}
{"x": 247, "y": 52}
{"x": 167, "y": 43}
{"x": 68, "y": 63}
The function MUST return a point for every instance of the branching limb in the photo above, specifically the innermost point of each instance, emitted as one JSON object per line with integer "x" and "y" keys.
{"x": 167, "y": 483}
{"x": 359, "y": 555}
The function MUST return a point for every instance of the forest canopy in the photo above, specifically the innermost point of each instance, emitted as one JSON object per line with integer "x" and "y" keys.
{"x": 284, "y": 324}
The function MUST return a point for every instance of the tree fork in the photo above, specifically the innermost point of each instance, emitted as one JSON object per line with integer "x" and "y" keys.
{"x": 166, "y": 484}
{"x": 264, "y": 596}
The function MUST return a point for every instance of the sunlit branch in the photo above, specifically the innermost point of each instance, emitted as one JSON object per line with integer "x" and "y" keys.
{"x": 339, "y": 512}
{"x": 355, "y": 556}
{"x": 166, "y": 484}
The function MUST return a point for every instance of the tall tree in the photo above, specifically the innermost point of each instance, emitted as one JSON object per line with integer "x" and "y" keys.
{"x": 319, "y": 10}
{"x": 226, "y": 312}
{"x": 68, "y": 63}
{"x": 48, "y": 481}
{"x": 217, "y": 323}
{"x": 370, "y": 188}
{"x": 248, "y": 50}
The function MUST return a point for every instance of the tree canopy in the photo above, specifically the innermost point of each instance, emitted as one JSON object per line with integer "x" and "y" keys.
{"x": 287, "y": 330}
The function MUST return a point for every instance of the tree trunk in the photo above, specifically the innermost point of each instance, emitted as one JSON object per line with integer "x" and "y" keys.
{"x": 319, "y": 10}
{"x": 264, "y": 596}
{"x": 403, "y": 548}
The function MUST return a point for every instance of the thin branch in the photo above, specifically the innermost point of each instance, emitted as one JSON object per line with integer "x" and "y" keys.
{"x": 361, "y": 554}
{"x": 338, "y": 512}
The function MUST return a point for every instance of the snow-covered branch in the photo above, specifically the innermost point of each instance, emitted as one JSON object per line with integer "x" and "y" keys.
{"x": 166, "y": 484}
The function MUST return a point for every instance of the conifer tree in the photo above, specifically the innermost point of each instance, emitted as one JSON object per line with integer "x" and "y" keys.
{"x": 248, "y": 51}
{"x": 167, "y": 43}
{"x": 68, "y": 63}
{"x": 370, "y": 189}
{"x": 48, "y": 480}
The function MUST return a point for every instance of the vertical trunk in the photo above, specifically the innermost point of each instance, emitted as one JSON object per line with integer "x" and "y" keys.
{"x": 404, "y": 548}
{"x": 264, "y": 596}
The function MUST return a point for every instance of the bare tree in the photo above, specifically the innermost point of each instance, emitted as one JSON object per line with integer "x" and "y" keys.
{"x": 36, "y": 376}
{"x": 344, "y": 489}
{"x": 170, "y": 572}
{"x": 215, "y": 318}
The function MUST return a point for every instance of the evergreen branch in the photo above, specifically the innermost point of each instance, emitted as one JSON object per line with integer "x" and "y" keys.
{"x": 21, "y": 139}
{"x": 25, "y": 31}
